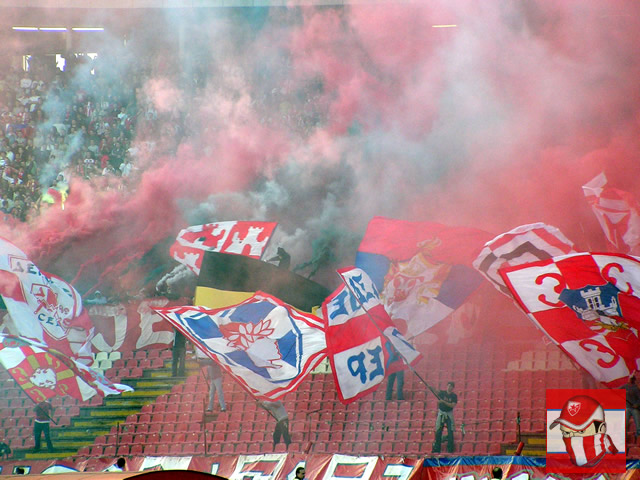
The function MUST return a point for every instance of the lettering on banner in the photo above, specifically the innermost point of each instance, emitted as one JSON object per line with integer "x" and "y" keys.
{"x": 363, "y": 292}
{"x": 399, "y": 471}
{"x": 214, "y": 468}
{"x": 343, "y": 304}
{"x": 345, "y": 468}
{"x": 23, "y": 265}
{"x": 257, "y": 470}
{"x": 148, "y": 318}
{"x": 375, "y": 359}
{"x": 118, "y": 314}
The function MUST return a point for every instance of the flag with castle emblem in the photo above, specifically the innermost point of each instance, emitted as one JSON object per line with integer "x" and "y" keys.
{"x": 266, "y": 345}
{"x": 241, "y": 238}
{"x": 589, "y": 305}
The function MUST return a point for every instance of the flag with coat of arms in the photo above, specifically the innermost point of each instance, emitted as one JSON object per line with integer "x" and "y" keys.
{"x": 589, "y": 305}
{"x": 263, "y": 343}
{"x": 423, "y": 270}
{"x": 363, "y": 343}
{"x": 42, "y": 306}
{"x": 44, "y": 373}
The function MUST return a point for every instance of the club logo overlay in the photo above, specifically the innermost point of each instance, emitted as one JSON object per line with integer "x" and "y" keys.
{"x": 585, "y": 431}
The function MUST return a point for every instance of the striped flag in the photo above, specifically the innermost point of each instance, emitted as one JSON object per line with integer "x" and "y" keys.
{"x": 524, "y": 244}
{"x": 363, "y": 344}
{"x": 227, "y": 279}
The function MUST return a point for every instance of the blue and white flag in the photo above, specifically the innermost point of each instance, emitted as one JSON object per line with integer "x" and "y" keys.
{"x": 265, "y": 344}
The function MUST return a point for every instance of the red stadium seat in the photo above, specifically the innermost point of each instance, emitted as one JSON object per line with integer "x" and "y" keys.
{"x": 466, "y": 449}
{"x": 136, "y": 450}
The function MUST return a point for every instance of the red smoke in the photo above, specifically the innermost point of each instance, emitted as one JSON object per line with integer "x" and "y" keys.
{"x": 493, "y": 123}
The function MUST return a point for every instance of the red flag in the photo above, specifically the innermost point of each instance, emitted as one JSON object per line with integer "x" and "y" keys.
{"x": 589, "y": 305}
{"x": 241, "y": 238}
{"x": 618, "y": 214}
{"x": 42, "y": 306}
{"x": 44, "y": 373}
{"x": 363, "y": 344}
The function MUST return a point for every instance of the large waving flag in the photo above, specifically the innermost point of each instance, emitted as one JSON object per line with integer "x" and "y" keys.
{"x": 363, "y": 343}
{"x": 265, "y": 344}
{"x": 42, "y": 307}
{"x": 589, "y": 305}
{"x": 240, "y": 238}
{"x": 617, "y": 212}
{"x": 227, "y": 279}
{"x": 44, "y": 373}
{"x": 523, "y": 244}
{"x": 422, "y": 270}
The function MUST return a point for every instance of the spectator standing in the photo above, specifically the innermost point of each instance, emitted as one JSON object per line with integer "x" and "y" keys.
{"x": 5, "y": 449}
{"x": 399, "y": 378}
{"x": 179, "y": 352}
{"x": 633, "y": 404}
{"x": 214, "y": 377}
{"x": 447, "y": 400}
{"x": 300, "y": 473}
{"x": 277, "y": 411}
{"x": 43, "y": 412}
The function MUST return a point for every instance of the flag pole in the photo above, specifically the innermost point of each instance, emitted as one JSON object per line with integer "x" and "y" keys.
{"x": 413, "y": 370}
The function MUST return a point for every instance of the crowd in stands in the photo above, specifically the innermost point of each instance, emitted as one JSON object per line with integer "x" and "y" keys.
{"x": 62, "y": 124}
{"x": 54, "y": 129}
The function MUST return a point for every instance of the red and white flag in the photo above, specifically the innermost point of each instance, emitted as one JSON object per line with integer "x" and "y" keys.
{"x": 589, "y": 305}
{"x": 617, "y": 212}
{"x": 242, "y": 238}
{"x": 45, "y": 373}
{"x": 523, "y": 244}
{"x": 42, "y": 306}
{"x": 363, "y": 344}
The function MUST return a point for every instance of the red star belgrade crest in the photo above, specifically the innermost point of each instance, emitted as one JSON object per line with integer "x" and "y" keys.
{"x": 573, "y": 408}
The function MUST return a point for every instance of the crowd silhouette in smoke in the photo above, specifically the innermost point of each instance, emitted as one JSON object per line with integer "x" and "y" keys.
{"x": 86, "y": 134}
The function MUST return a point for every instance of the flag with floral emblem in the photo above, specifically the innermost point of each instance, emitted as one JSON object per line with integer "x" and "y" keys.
{"x": 265, "y": 344}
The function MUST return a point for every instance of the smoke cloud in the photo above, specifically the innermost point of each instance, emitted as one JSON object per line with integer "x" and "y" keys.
{"x": 320, "y": 118}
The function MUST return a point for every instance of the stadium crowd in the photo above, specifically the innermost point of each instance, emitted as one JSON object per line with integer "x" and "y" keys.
{"x": 62, "y": 124}
{"x": 54, "y": 129}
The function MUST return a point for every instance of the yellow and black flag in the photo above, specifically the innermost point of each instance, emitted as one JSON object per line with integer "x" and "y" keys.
{"x": 227, "y": 279}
